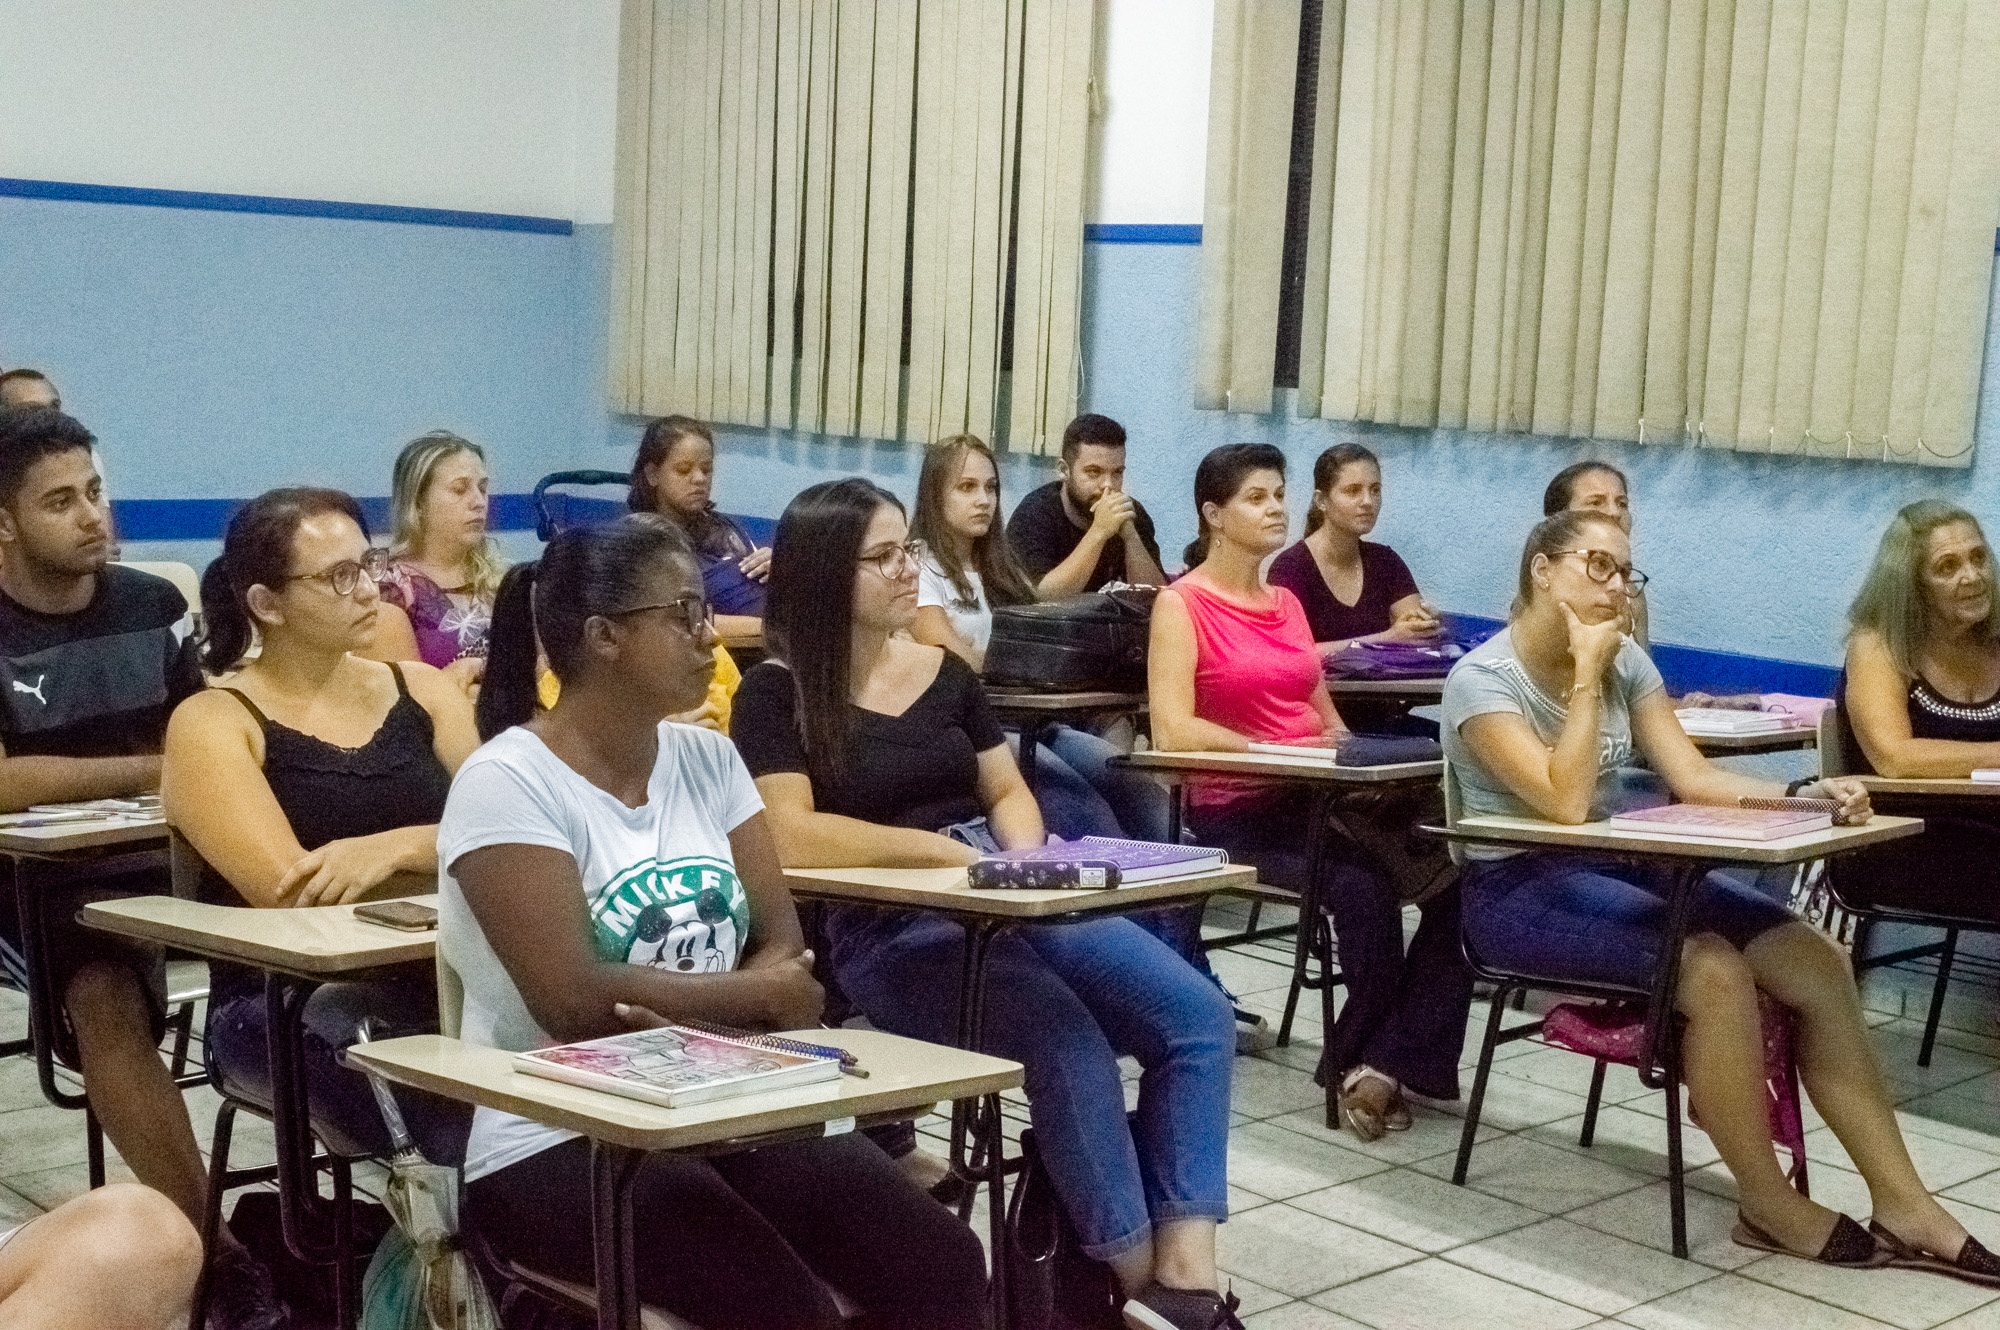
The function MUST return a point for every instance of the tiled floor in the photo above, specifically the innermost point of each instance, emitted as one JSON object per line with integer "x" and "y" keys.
{"x": 1328, "y": 1233}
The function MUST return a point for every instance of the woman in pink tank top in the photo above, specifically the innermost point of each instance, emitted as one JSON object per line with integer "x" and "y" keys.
{"x": 1232, "y": 661}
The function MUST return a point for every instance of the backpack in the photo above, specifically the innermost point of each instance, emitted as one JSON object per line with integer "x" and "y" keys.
{"x": 1051, "y": 1284}
{"x": 1076, "y": 644}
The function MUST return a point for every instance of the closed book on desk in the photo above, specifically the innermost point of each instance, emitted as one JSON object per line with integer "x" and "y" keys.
{"x": 1137, "y": 860}
{"x": 675, "y": 1066}
{"x": 1711, "y": 823}
{"x": 1712, "y": 722}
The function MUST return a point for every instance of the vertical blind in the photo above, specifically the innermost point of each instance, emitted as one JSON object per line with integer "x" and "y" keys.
{"x": 1765, "y": 225}
{"x": 852, "y": 217}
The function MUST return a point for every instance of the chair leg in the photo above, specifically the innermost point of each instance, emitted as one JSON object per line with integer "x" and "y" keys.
{"x": 1676, "y": 1182}
{"x": 1945, "y": 958}
{"x": 211, "y": 1213}
{"x": 346, "y": 1271}
{"x": 183, "y": 1028}
{"x": 93, "y": 1142}
{"x": 1589, "y": 1132}
{"x": 1478, "y": 1099}
{"x": 1304, "y": 946}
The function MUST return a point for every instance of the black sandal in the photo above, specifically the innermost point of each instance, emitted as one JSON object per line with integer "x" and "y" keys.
{"x": 1849, "y": 1246}
{"x": 1974, "y": 1264}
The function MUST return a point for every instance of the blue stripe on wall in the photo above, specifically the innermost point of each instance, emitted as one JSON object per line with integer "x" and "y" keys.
{"x": 1696, "y": 669}
{"x": 1141, "y": 233}
{"x": 204, "y": 519}
{"x": 363, "y": 212}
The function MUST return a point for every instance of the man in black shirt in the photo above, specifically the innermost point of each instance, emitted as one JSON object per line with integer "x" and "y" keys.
{"x": 1079, "y": 532}
{"x": 93, "y": 658}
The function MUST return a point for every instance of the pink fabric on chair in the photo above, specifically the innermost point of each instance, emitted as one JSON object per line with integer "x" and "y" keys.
{"x": 1616, "y": 1032}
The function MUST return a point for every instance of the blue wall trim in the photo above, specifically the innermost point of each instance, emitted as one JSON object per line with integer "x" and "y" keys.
{"x": 1696, "y": 669}
{"x": 204, "y": 519}
{"x": 1141, "y": 233}
{"x": 362, "y": 212}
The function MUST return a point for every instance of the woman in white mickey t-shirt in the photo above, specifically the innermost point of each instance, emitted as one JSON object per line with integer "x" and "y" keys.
{"x": 602, "y": 869}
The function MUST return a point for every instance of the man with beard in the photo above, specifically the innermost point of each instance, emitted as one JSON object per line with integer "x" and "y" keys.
{"x": 1077, "y": 533}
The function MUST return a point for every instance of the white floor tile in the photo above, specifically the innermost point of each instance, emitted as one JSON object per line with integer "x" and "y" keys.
{"x": 1272, "y": 1162}
{"x": 1560, "y": 1069}
{"x": 1730, "y": 1302}
{"x": 1906, "y": 1298}
{"x": 1581, "y": 1266}
{"x": 1512, "y": 1103}
{"x": 1298, "y": 1253}
{"x": 1251, "y": 1296}
{"x": 1645, "y": 1216}
{"x": 1538, "y": 1176}
{"x": 1434, "y": 1294}
{"x": 1417, "y": 1210}
{"x": 1940, "y": 1163}
{"x": 1630, "y": 1140}
{"x": 1300, "y": 1316}
{"x": 1261, "y": 1089}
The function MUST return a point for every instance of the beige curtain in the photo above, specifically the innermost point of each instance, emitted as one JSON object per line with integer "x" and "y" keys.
{"x": 817, "y": 202}
{"x": 1765, "y": 225}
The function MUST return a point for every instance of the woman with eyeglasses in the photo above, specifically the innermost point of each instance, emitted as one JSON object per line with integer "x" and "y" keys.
{"x": 1538, "y": 722}
{"x": 872, "y": 749}
{"x": 315, "y": 777}
{"x": 607, "y": 868}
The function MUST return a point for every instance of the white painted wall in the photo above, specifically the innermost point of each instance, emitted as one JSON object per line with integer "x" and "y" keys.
{"x": 1150, "y": 142}
{"x": 493, "y": 106}
{"x": 485, "y": 105}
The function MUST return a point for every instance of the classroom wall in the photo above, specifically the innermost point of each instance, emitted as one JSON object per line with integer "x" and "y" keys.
{"x": 219, "y": 353}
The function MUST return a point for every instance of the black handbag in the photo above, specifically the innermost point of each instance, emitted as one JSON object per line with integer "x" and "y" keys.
{"x": 1076, "y": 644}
{"x": 1051, "y": 1284}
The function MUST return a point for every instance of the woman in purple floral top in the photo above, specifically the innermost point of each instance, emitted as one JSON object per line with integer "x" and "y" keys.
{"x": 437, "y": 597}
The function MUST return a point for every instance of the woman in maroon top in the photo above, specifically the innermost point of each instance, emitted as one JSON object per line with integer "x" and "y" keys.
{"x": 1353, "y": 590}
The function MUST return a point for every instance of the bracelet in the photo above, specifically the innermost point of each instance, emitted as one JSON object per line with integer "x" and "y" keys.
{"x": 1792, "y": 790}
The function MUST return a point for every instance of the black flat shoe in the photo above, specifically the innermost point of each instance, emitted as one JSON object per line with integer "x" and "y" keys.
{"x": 1974, "y": 1264}
{"x": 1849, "y": 1246}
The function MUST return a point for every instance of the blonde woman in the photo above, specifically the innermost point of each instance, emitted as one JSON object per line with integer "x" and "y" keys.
{"x": 1921, "y": 697}
{"x": 437, "y": 597}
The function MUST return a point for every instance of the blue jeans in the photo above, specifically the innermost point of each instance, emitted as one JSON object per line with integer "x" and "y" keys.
{"x": 1568, "y": 917}
{"x": 1066, "y": 1001}
{"x": 1081, "y": 794}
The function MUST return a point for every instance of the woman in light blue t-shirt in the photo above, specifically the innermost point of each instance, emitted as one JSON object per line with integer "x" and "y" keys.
{"x": 604, "y": 868}
{"x": 1538, "y": 722}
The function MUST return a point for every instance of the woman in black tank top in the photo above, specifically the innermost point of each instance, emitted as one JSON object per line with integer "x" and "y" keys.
{"x": 312, "y": 777}
{"x": 1920, "y": 697}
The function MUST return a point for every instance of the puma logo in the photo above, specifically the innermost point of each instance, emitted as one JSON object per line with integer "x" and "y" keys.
{"x": 36, "y": 691}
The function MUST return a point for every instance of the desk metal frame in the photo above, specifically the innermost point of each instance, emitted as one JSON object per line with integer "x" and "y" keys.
{"x": 1035, "y": 714}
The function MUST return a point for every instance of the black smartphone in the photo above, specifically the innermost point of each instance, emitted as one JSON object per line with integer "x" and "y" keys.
{"x": 408, "y": 916}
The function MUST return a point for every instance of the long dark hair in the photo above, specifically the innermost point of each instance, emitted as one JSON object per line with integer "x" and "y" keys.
{"x": 257, "y": 551}
{"x": 1217, "y": 479}
{"x": 1551, "y": 535}
{"x": 584, "y": 571}
{"x": 1326, "y": 474}
{"x": 809, "y": 608}
{"x": 1556, "y": 497}
{"x": 992, "y": 557}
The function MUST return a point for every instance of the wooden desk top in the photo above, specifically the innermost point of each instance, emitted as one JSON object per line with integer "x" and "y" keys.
{"x": 742, "y": 641}
{"x": 945, "y": 890}
{"x": 1282, "y": 766}
{"x": 1430, "y": 688}
{"x": 1971, "y": 789}
{"x": 1527, "y": 831}
{"x": 321, "y": 942}
{"x": 1022, "y": 699}
{"x": 902, "y": 1074}
{"x": 59, "y": 837}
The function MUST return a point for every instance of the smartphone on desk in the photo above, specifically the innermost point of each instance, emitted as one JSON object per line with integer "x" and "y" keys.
{"x": 407, "y": 916}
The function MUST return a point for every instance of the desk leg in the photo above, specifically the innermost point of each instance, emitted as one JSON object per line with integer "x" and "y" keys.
{"x": 1032, "y": 729}
{"x": 44, "y": 1003}
{"x": 612, "y": 1169}
{"x": 982, "y": 1117}
{"x": 303, "y": 1216}
{"x": 1310, "y": 916}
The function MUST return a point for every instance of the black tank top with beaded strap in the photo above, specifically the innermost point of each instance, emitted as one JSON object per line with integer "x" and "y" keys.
{"x": 331, "y": 793}
{"x": 1932, "y": 716}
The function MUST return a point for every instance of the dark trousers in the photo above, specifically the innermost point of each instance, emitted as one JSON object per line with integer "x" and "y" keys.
{"x": 1406, "y": 1010}
{"x": 743, "y": 1241}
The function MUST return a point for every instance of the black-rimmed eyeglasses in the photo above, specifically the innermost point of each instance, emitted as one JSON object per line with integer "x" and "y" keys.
{"x": 344, "y": 576}
{"x": 1599, "y": 566}
{"x": 693, "y": 613}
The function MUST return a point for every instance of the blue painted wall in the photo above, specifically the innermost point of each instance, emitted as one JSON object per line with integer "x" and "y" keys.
{"x": 216, "y": 354}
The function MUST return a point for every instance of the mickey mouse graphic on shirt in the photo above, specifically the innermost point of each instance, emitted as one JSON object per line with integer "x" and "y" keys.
{"x": 687, "y": 915}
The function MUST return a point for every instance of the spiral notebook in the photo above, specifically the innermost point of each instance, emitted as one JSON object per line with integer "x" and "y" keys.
{"x": 676, "y": 1065}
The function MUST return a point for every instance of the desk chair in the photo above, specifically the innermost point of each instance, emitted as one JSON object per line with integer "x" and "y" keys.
{"x": 1659, "y": 1066}
{"x": 183, "y": 577}
{"x": 1840, "y": 756}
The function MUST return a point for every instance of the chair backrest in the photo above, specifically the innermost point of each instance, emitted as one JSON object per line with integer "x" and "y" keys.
{"x": 184, "y": 866}
{"x": 451, "y": 997}
{"x": 1452, "y": 806}
{"x": 1834, "y": 759}
{"x": 184, "y": 578}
